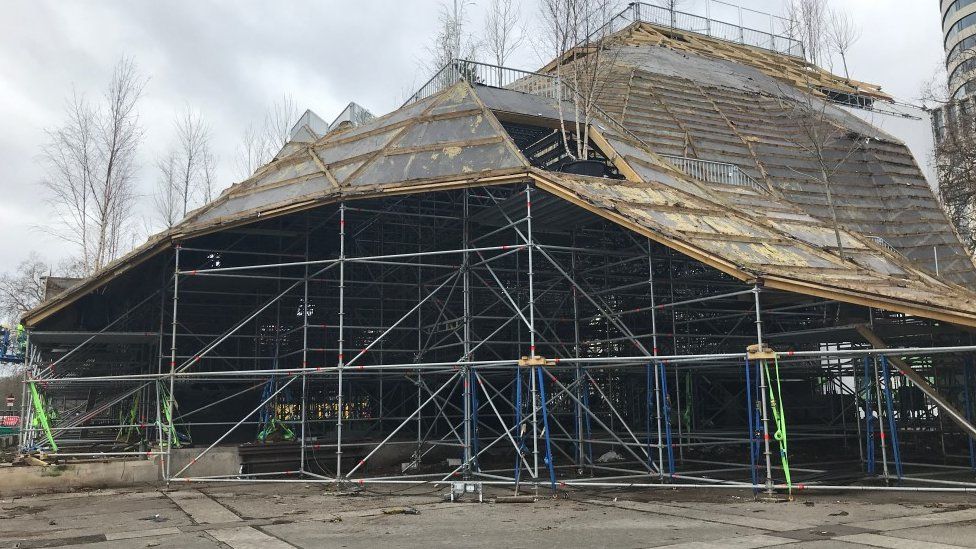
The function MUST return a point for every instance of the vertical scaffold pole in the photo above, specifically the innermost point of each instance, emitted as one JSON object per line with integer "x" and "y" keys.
{"x": 466, "y": 374}
{"x": 892, "y": 420}
{"x": 967, "y": 388}
{"x": 518, "y": 425}
{"x": 650, "y": 367}
{"x": 868, "y": 418}
{"x": 172, "y": 360}
{"x": 857, "y": 413}
{"x": 666, "y": 411}
{"x": 530, "y": 275}
{"x": 342, "y": 313}
{"x": 545, "y": 428}
{"x": 750, "y": 411}
{"x": 420, "y": 340}
{"x": 159, "y": 372}
{"x": 23, "y": 440}
{"x": 677, "y": 398}
{"x": 881, "y": 429}
{"x": 580, "y": 386}
{"x": 305, "y": 310}
{"x": 762, "y": 396}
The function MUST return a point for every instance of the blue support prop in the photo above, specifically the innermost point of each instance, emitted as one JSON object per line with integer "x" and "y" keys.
{"x": 666, "y": 407}
{"x": 868, "y": 418}
{"x": 545, "y": 428}
{"x": 753, "y": 443}
{"x": 892, "y": 423}
{"x": 265, "y": 415}
{"x": 968, "y": 401}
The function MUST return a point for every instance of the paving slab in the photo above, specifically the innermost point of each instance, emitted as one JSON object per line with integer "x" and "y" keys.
{"x": 914, "y": 521}
{"x": 177, "y": 541}
{"x": 150, "y": 533}
{"x": 245, "y": 537}
{"x": 822, "y": 544}
{"x": 961, "y": 534}
{"x": 703, "y": 515}
{"x": 201, "y": 508}
{"x": 888, "y": 542}
{"x": 743, "y": 542}
{"x": 545, "y": 523}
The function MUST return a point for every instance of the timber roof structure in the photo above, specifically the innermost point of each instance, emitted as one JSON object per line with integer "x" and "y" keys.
{"x": 665, "y": 96}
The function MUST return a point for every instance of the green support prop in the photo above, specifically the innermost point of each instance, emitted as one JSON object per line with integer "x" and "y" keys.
{"x": 779, "y": 417}
{"x": 129, "y": 419}
{"x": 41, "y": 415}
{"x": 274, "y": 425}
{"x": 168, "y": 412}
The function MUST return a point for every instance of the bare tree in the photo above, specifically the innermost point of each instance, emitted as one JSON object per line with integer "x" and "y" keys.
{"x": 193, "y": 148}
{"x": 278, "y": 122}
{"x": 261, "y": 142}
{"x": 504, "y": 32}
{"x": 841, "y": 35}
{"x": 22, "y": 289}
{"x": 252, "y": 152}
{"x": 185, "y": 178}
{"x": 955, "y": 155}
{"x": 208, "y": 180}
{"x": 451, "y": 42}
{"x": 167, "y": 198}
{"x": 90, "y": 162}
{"x": 808, "y": 23}
{"x": 672, "y": 7}
{"x": 826, "y": 143}
{"x": 576, "y": 32}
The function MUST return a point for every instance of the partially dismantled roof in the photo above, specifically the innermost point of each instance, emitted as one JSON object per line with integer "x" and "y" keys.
{"x": 455, "y": 139}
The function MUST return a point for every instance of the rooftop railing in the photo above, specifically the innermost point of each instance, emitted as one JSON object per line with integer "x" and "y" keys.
{"x": 713, "y": 172}
{"x": 880, "y": 241}
{"x": 505, "y": 77}
{"x": 486, "y": 74}
{"x": 547, "y": 86}
{"x": 730, "y": 32}
{"x": 535, "y": 83}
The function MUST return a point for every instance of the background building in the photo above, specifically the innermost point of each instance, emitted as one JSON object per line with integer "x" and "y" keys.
{"x": 959, "y": 31}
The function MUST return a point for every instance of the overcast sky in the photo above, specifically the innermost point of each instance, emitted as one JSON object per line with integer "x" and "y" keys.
{"x": 231, "y": 60}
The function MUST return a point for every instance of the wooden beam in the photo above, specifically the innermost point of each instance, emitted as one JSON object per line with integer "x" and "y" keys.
{"x": 955, "y": 415}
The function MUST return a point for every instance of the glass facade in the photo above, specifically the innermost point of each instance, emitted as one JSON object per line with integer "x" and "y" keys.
{"x": 968, "y": 43}
{"x": 958, "y": 26}
{"x": 967, "y": 89}
{"x": 961, "y": 70}
{"x": 955, "y": 7}
{"x": 961, "y": 53}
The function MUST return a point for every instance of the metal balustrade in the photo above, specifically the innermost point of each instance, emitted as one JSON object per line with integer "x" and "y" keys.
{"x": 544, "y": 84}
{"x": 713, "y": 172}
{"x": 488, "y": 75}
{"x": 547, "y": 85}
{"x": 722, "y": 30}
{"x": 880, "y": 241}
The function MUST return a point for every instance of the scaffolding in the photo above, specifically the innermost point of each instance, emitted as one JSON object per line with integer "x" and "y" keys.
{"x": 436, "y": 297}
{"x": 540, "y": 346}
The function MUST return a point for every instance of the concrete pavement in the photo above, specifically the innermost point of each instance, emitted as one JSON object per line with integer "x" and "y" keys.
{"x": 273, "y": 516}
